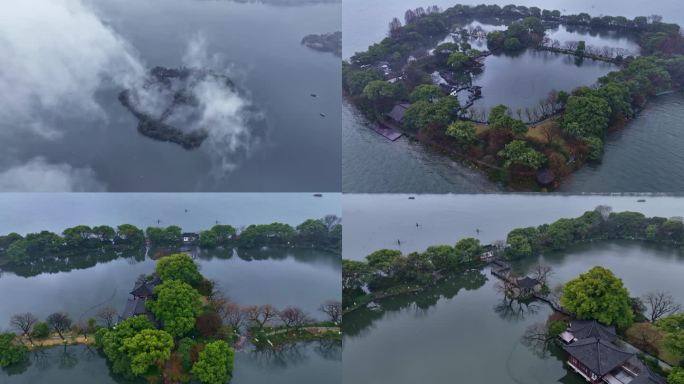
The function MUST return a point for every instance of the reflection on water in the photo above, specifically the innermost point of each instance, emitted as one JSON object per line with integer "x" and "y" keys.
{"x": 448, "y": 332}
{"x": 306, "y": 363}
{"x": 284, "y": 277}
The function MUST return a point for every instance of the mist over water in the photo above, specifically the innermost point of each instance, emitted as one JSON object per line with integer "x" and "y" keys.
{"x": 60, "y": 117}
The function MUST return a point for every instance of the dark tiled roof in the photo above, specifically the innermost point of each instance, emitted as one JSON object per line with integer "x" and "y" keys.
{"x": 527, "y": 282}
{"x": 600, "y": 356}
{"x": 397, "y": 113}
{"x": 146, "y": 288}
{"x": 646, "y": 375}
{"x": 134, "y": 306}
{"x": 583, "y": 329}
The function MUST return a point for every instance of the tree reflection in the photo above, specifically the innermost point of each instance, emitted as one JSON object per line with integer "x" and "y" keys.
{"x": 280, "y": 357}
{"x": 329, "y": 349}
{"x": 361, "y": 321}
{"x": 514, "y": 310}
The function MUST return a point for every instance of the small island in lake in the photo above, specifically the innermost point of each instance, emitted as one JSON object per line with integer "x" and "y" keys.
{"x": 589, "y": 316}
{"x": 169, "y": 105}
{"x": 326, "y": 42}
{"x": 419, "y": 82}
{"x": 177, "y": 326}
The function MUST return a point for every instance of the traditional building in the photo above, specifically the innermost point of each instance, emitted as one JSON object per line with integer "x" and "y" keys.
{"x": 396, "y": 115}
{"x": 189, "y": 238}
{"x": 595, "y": 356}
{"x": 527, "y": 286}
{"x": 584, "y": 329}
{"x": 135, "y": 305}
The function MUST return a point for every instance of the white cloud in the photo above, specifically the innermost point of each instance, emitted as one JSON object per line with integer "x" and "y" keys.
{"x": 54, "y": 56}
{"x": 226, "y": 114}
{"x": 37, "y": 175}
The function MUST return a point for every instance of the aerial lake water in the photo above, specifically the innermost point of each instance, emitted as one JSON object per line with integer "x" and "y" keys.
{"x": 280, "y": 277}
{"x": 651, "y": 144}
{"x": 462, "y": 327}
{"x": 256, "y": 43}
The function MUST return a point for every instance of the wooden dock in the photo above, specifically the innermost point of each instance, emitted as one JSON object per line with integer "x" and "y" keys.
{"x": 386, "y": 131}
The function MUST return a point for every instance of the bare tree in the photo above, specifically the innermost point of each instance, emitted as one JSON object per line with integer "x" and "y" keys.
{"x": 231, "y": 313}
{"x": 542, "y": 272}
{"x": 394, "y": 25}
{"x": 604, "y": 210}
{"x": 293, "y": 317}
{"x": 660, "y": 304}
{"x": 107, "y": 315}
{"x": 60, "y": 322}
{"x": 409, "y": 16}
{"x": 331, "y": 221}
{"x": 24, "y": 322}
{"x": 260, "y": 315}
{"x": 333, "y": 309}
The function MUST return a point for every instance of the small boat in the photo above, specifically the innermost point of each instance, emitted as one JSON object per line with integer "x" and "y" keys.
{"x": 314, "y": 95}
{"x": 641, "y": 201}
{"x": 322, "y": 114}
{"x": 318, "y": 195}
{"x": 412, "y": 197}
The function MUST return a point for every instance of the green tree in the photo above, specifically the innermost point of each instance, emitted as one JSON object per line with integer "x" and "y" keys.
{"x": 180, "y": 267}
{"x": 177, "y": 306}
{"x": 312, "y": 231}
{"x": 129, "y": 234}
{"x": 104, "y": 232}
{"x": 76, "y": 237}
{"x": 676, "y": 376}
{"x": 379, "y": 89}
{"x": 517, "y": 152}
{"x": 383, "y": 260}
{"x": 463, "y": 131}
{"x": 208, "y": 239}
{"x": 600, "y": 295}
{"x": 10, "y": 352}
{"x": 148, "y": 348}
{"x": 443, "y": 257}
{"x": 458, "y": 60}
{"x": 497, "y": 113}
{"x": 512, "y": 44}
{"x": 673, "y": 327}
{"x": 41, "y": 330}
{"x": 586, "y": 116}
{"x": 224, "y": 233}
{"x": 354, "y": 274}
{"x": 468, "y": 249}
{"x": 215, "y": 363}
{"x": 426, "y": 92}
{"x": 424, "y": 114}
{"x": 111, "y": 341}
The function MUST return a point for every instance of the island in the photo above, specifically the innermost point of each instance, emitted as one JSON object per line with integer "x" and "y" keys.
{"x": 639, "y": 336}
{"x": 168, "y": 106}
{"x": 418, "y": 82}
{"x": 84, "y": 246}
{"x": 326, "y": 42}
{"x": 176, "y": 327}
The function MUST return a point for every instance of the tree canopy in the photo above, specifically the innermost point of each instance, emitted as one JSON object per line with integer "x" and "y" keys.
{"x": 599, "y": 295}
{"x": 215, "y": 363}
{"x": 180, "y": 267}
{"x": 10, "y": 352}
{"x": 146, "y": 349}
{"x": 177, "y": 306}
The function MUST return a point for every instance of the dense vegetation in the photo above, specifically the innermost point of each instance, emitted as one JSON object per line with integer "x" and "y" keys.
{"x": 599, "y": 224}
{"x": 387, "y": 269}
{"x": 558, "y": 136}
{"x": 87, "y": 245}
{"x": 187, "y": 334}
